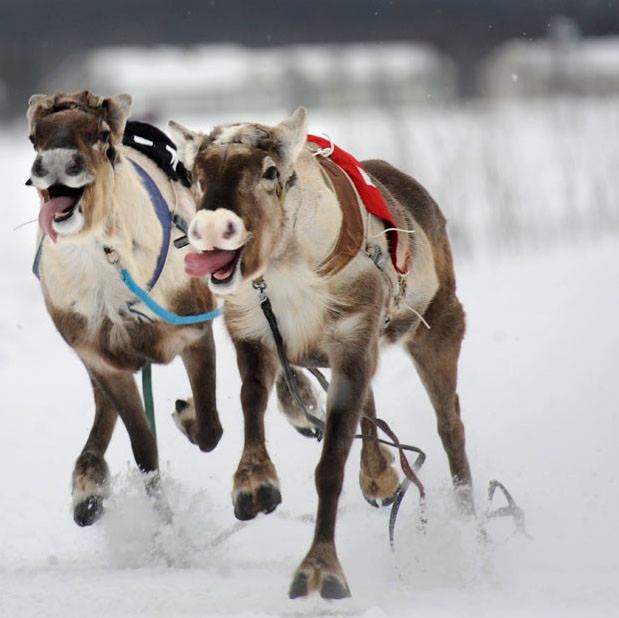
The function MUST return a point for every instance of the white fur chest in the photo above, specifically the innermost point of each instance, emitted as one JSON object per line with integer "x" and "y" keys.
{"x": 300, "y": 301}
{"x": 77, "y": 276}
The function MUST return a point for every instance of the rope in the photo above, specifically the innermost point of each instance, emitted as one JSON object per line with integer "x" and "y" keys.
{"x": 147, "y": 394}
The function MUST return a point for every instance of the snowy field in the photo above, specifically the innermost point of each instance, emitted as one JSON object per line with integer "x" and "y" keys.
{"x": 538, "y": 388}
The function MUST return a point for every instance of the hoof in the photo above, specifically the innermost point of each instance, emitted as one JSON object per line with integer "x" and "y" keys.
{"x": 334, "y": 588}
{"x": 371, "y": 501}
{"x": 88, "y": 511}
{"x": 377, "y": 476}
{"x": 320, "y": 572}
{"x": 244, "y": 506}
{"x": 180, "y": 405}
{"x": 268, "y": 497}
{"x": 388, "y": 501}
{"x": 382, "y": 502}
{"x": 184, "y": 417}
{"x": 306, "y": 432}
{"x": 289, "y": 406}
{"x": 299, "y": 587}
{"x": 208, "y": 440}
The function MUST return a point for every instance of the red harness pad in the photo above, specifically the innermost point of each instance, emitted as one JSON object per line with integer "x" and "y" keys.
{"x": 369, "y": 193}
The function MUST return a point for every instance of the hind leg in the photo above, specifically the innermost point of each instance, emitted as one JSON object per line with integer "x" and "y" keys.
{"x": 377, "y": 477}
{"x": 90, "y": 484}
{"x": 435, "y": 352}
{"x": 288, "y": 405}
{"x": 120, "y": 390}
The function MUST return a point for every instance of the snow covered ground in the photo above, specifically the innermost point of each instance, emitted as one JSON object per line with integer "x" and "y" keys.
{"x": 539, "y": 393}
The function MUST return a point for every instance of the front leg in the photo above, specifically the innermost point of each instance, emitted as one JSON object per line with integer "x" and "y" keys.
{"x": 90, "y": 483}
{"x": 256, "y": 486}
{"x": 198, "y": 418}
{"x": 352, "y": 370}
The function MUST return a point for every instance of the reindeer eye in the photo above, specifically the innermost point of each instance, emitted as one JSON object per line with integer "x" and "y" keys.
{"x": 104, "y": 136}
{"x": 271, "y": 173}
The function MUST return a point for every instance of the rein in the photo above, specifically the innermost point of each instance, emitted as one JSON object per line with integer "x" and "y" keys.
{"x": 157, "y": 309}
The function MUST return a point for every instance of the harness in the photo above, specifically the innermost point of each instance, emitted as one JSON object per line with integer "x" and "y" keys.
{"x": 349, "y": 179}
{"x": 352, "y": 231}
{"x": 163, "y": 214}
{"x": 354, "y": 188}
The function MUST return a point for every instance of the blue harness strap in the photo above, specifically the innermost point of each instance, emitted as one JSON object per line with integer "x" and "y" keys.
{"x": 163, "y": 214}
{"x": 158, "y": 310}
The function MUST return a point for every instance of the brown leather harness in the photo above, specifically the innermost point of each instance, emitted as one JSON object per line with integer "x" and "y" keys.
{"x": 350, "y": 240}
{"x": 353, "y": 236}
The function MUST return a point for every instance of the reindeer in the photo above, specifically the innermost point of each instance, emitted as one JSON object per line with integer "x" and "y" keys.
{"x": 269, "y": 218}
{"x": 95, "y": 204}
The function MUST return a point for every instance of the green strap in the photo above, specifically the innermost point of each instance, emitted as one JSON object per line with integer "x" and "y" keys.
{"x": 147, "y": 393}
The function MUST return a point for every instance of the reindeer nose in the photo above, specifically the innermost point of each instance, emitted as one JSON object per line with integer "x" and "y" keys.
{"x": 216, "y": 229}
{"x": 76, "y": 165}
{"x": 194, "y": 234}
{"x": 38, "y": 169}
{"x": 230, "y": 230}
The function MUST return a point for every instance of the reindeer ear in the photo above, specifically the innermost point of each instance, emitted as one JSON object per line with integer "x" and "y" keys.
{"x": 187, "y": 142}
{"x": 292, "y": 134}
{"x": 118, "y": 109}
{"x": 35, "y": 99}
{"x": 33, "y": 104}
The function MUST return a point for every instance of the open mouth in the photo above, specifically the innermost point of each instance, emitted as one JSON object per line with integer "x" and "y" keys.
{"x": 221, "y": 264}
{"x": 59, "y": 209}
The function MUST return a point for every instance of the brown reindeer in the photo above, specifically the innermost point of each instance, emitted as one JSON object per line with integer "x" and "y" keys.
{"x": 95, "y": 201}
{"x": 270, "y": 215}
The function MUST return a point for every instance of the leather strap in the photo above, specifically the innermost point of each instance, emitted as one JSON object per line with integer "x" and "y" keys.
{"x": 350, "y": 240}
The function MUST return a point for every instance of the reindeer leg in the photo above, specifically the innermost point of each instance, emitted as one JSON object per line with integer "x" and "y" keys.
{"x": 352, "y": 369}
{"x": 256, "y": 485}
{"x": 120, "y": 389}
{"x": 290, "y": 408}
{"x": 90, "y": 485}
{"x": 197, "y": 418}
{"x": 377, "y": 477}
{"x": 435, "y": 354}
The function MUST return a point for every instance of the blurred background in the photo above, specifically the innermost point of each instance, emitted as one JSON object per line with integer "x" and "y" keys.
{"x": 507, "y": 111}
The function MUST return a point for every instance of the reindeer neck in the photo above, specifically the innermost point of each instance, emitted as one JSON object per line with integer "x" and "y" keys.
{"x": 76, "y": 272}
{"x": 313, "y": 216}
{"x": 134, "y": 229}
{"x": 312, "y": 225}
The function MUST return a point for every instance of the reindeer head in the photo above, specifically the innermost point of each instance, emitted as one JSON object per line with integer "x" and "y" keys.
{"x": 241, "y": 173}
{"x": 75, "y": 137}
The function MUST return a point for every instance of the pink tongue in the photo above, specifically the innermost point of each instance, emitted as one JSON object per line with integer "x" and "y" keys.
{"x": 200, "y": 264}
{"x": 51, "y": 208}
